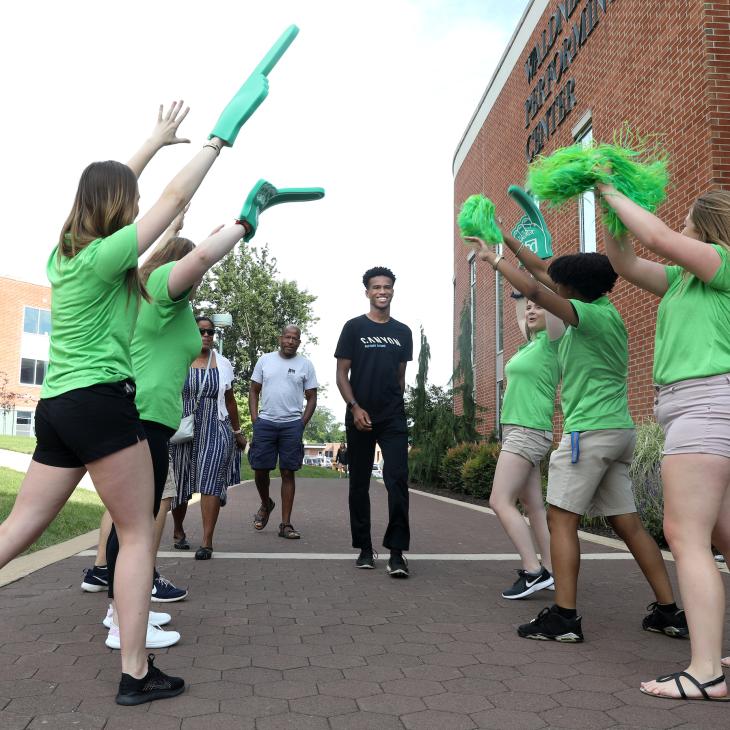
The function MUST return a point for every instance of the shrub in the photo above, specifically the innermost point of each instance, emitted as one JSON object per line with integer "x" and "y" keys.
{"x": 453, "y": 462}
{"x": 645, "y": 473}
{"x": 477, "y": 474}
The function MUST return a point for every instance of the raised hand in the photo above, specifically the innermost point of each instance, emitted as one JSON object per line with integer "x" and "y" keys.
{"x": 165, "y": 131}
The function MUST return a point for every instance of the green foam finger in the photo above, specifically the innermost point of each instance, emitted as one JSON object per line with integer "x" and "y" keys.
{"x": 531, "y": 229}
{"x": 277, "y": 51}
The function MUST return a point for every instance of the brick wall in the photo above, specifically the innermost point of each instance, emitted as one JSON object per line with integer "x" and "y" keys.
{"x": 14, "y": 295}
{"x": 661, "y": 65}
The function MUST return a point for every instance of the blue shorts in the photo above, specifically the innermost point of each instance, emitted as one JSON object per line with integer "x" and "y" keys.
{"x": 271, "y": 440}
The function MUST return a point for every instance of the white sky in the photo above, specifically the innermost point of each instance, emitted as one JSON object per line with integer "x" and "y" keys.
{"x": 369, "y": 102}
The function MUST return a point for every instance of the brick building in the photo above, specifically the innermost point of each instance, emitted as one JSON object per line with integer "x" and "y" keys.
{"x": 25, "y": 325}
{"x": 576, "y": 70}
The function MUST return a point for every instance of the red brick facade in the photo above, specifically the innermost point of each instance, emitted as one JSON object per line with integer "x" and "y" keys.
{"x": 661, "y": 65}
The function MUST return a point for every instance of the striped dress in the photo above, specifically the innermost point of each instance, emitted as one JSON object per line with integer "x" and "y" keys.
{"x": 211, "y": 462}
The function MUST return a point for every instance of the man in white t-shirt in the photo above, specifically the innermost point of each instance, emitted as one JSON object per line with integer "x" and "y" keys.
{"x": 282, "y": 381}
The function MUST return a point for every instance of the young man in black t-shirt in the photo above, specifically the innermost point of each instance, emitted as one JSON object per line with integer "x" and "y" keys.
{"x": 372, "y": 354}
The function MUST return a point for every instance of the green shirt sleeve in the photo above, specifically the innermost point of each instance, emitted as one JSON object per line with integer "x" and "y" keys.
{"x": 673, "y": 273}
{"x": 157, "y": 287}
{"x": 721, "y": 279}
{"x": 116, "y": 253}
{"x": 587, "y": 314}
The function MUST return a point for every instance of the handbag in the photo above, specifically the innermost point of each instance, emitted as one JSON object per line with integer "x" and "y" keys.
{"x": 186, "y": 430}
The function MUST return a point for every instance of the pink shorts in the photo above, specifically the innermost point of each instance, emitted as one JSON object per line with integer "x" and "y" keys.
{"x": 695, "y": 415}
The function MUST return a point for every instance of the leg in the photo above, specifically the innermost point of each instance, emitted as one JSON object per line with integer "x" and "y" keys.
{"x": 565, "y": 552}
{"x": 392, "y": 437}
{"x": 646, "y": 552}
{"x": 288, "y": 487}
{"x": 695, "y": 490}
{"x": 124, "y": 481}
{"x": 263, "y": 482}
{"x": 510, "y": 479}
{"x": 721, "y": 540}
{"x": 361, "y": 450}
{"x": 160, "y": 523}
{"x": 45, "y": 489}
{"x": 104, "y": 529}
{"x": 178, "y": 517}
{"x": 210, "y": 507}
{"x": 534, "y": 503}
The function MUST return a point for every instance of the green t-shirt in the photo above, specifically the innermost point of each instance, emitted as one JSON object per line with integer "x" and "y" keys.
{"x": 533, "y": 375}
{"x": 693, "y": 325}
{"x": 92, "y": 314}
{"x": 594, "y": 357}
{"x": 166, "y": 340}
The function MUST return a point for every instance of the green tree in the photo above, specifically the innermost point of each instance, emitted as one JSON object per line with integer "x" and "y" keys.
{"x": 463, "y": 377}
{"x": 245, "y": 284}
{"x": 323, "y": 428}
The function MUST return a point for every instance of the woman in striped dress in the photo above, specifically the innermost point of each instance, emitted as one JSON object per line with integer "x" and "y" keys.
{"x": 211, "y": 462}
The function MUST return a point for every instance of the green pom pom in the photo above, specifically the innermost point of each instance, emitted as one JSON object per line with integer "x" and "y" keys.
{"x": 476, "y": 218}
{"x": 635, "y": 166}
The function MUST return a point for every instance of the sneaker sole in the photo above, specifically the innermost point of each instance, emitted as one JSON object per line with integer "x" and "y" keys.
{"x": 91, "y": 588}
{"x": 670, "y": 631}
{"x": 398, "y": 573}
{"x": 157, "y": 599}
{"x": 140, "y": 698}
{"x": 365, "y": 567}
{"x": 569, "y": 638}
{"x": 107, "y": 622}
{"x": 532, "y": 589}
{"x": 152, "y": 645}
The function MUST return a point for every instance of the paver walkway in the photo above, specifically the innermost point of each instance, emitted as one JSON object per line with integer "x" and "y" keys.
{"x": 281, "y": 640}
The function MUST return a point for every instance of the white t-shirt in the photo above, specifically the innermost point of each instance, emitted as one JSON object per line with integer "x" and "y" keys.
{"x": 283, "y": 382}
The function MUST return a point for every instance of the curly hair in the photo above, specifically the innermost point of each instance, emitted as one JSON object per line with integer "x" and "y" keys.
{"x": 590, "y": 274}
{"x": 377, "y": 271}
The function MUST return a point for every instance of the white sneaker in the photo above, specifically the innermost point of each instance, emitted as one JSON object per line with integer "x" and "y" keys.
{"x": 158, "y": 619}
{"x": 156, "y": 637}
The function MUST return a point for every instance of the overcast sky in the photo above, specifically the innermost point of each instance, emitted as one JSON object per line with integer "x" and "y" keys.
{"x": 369, "y": 102}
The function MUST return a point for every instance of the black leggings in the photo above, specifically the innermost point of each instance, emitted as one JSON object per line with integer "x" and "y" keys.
{"x": 158, "y": 438}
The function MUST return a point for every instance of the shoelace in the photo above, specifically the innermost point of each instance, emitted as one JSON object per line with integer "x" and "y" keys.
{"x": 163, "y": 581}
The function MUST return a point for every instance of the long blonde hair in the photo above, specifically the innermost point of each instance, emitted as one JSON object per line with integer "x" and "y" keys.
{"x": 711, "y": 216}
{"x": 105, "y": 202}
{"x": 174, "y": 250}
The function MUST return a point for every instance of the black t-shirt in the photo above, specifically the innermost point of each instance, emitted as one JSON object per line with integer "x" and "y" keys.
{"x": 376, "y": 351}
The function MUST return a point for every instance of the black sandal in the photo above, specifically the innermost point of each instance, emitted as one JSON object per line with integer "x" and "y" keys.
{"x": 203, "y": 553}
{"x": 288, "y": 532}
{"x": 261, "y": 518}
{"x": 181, "y": 544}
{"x": 677, "y": 676}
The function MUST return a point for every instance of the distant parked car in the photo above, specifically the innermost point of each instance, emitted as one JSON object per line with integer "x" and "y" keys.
{"x": 377, "y": 472}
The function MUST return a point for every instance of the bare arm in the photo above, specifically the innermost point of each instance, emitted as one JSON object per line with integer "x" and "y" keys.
{"x": 164, "y": 134}
{"x": 695, "y": 256}
{"x": 521, "y": 314}
{"x": 359, "y": 415}
{"x": 191, "y": 268}
{"x": 253, "y": 400}
{"x": 525, "y": 283}
{"x": 645, "y": 274}
{"x": 311, "y": 396}
{"x": 533, "y": 263}
{"x": 232, "y": 408}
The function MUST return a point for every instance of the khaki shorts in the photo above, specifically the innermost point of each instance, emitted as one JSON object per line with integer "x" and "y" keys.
{"x": 695, "y": 415}
{"x": 598, "y": 483}
{"x": 170, "y": 490}
{"x": 529, "y": 443}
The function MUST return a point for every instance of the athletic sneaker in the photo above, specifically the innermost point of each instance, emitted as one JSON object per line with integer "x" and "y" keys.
{"x": 528, "y": 583}
{"x": 158, "y": 619}
{"x": 95, "y": 580}
{"x": 165, "y": 592}
{"x": 157, "y": 638}
{"x": 397, "y": 566}
{"x": 366, "y": 559}
{"x": 551, "y": 626}
{"x": 156, "y": 685}
{"x": 673, "y": 623}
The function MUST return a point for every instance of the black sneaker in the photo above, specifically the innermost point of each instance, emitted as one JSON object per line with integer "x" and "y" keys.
{"x": 397, "y": 566}
{"x": 551, "y": 626}
{"x": 527, "y": 584}
{"x": 673, "y": 623}
{"x": 366, "y": 559}
{"x": 155, "y": 686}
{"x": 96, "y": 579}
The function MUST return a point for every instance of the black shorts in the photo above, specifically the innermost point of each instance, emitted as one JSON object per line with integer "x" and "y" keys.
{"x": 272, "y": 440}
{"x": 83, "y": 425}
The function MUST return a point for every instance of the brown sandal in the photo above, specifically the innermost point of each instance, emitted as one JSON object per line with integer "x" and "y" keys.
{"x": 288, "y": 532}
{"x": 261, "y": 518}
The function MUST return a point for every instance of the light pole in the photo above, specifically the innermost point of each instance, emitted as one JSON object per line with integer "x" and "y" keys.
{"x": 220, "y": 322}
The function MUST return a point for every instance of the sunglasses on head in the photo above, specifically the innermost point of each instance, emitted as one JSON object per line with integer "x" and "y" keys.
{"x": 209, "y": 332}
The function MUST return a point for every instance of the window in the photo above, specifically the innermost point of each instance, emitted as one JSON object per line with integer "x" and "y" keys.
{"x": 32, "y": 372}
{"x": 498, "y": 308}
{"x": 23, "y": 422}
{"x": 587, "y": 201}
{"x": 498, "y": 408}
{"x": 473, "y": 306}
{"x": 37, "y": 321}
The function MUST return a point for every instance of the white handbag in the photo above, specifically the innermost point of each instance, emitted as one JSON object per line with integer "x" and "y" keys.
{"x": 186, "y": 430}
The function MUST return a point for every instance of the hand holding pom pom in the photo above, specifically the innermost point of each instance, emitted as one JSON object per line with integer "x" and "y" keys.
{"x": 476, "y": 219}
